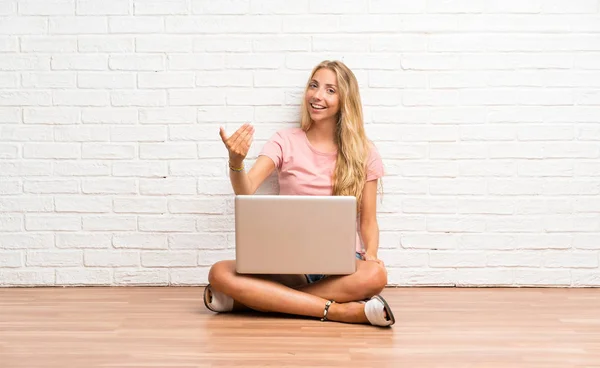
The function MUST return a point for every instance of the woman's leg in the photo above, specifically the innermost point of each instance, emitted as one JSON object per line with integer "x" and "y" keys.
{"x": 269, "y": 296}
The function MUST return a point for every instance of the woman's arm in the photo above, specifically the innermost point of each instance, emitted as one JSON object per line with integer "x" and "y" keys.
{"x": 238, "y": 145}
{"x": 243, "y": 183}
{"x": 369, "y": 227}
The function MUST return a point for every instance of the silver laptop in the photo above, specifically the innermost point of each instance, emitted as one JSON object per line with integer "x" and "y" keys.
{"x": 279, "y": 234}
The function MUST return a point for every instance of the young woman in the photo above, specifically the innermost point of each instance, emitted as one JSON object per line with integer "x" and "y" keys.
{"x": 329, "y": 154}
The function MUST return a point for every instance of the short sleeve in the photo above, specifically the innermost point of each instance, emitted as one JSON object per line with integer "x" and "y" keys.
{"x": 374, "y": 164}
{"x": 274, "y": 149}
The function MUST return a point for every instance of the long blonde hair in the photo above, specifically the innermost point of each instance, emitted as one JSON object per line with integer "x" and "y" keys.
{"x": 350, "y": 172}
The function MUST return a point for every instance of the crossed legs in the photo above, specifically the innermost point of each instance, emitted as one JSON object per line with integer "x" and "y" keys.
{"x": 266, "y": 295}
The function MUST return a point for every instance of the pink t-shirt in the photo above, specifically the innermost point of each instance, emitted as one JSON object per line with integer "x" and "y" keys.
{"x": 303, "y": 170}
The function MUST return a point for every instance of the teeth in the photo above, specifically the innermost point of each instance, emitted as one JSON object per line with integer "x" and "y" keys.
{"x": 317, "y": 106}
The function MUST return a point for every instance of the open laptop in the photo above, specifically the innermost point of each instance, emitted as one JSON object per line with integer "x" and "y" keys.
{"x": 281, "y": 234}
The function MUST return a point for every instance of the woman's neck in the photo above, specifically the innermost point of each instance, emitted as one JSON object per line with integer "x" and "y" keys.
{"x": 322, "y": 134}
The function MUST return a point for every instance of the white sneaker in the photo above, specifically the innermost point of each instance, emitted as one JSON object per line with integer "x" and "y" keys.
{"x": 217, "y": 301}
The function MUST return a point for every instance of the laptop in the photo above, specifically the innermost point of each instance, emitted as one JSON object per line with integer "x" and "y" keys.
{"x": 287, "y": 234}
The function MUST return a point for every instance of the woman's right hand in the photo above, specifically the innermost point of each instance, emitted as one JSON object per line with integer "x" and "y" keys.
{"x": 238, "y": 144}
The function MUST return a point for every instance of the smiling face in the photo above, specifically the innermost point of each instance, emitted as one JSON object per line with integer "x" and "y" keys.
{"x": 322, "y": 96}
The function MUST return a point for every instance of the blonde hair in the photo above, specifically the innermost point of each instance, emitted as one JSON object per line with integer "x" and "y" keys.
{"x": 350, "y": 172}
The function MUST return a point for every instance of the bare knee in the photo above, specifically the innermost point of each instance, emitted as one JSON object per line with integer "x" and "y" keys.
{"x": 373, "y": 279}
{"x": 221, "y": 274}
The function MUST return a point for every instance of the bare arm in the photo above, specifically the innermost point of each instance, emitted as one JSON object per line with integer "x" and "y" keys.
{"x": 248, "y": 183}
{"x": 238, "y": 145}
{"x": 369, "y": 227}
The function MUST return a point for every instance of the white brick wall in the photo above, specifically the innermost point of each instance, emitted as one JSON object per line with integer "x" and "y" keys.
{"x": 486, "y": 113}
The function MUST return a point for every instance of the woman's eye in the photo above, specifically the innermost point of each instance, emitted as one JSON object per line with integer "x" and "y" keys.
{"x": 331, "y": 90}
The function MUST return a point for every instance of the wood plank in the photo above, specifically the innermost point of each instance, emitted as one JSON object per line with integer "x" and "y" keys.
{"x": 169, "y": 327}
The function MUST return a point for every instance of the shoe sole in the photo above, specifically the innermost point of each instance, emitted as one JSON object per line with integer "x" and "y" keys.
{"x": 388, "y": 310}
{"x": 206, "y": 289}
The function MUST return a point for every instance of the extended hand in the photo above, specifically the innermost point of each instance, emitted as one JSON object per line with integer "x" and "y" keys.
{"x": 239, "y": 143}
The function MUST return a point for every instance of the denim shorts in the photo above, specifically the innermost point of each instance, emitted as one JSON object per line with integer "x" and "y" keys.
{"x": 316, "y": 277}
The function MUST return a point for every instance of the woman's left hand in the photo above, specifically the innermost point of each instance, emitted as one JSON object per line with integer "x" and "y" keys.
{"x": 370, "y": 257}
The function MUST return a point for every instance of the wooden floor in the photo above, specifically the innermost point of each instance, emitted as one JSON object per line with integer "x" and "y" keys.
{"x": 169, "y": 327}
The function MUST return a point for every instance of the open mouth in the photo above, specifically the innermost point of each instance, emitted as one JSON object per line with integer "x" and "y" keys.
{"x": 317, "y": 107}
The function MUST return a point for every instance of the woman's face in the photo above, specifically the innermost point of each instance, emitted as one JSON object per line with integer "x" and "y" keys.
{"x": 322, "y": 96}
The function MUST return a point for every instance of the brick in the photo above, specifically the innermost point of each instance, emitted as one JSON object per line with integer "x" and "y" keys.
{"x": 143, "y": 169}
{"x": 111, "y": 258}
{"x": 485, "y": 206}
{"x": 51, "y": 115}
{"x": 28, "y": 240}
{"x": 81, "y": 168}
{"x": 304, "y": 23}
{"x": 20, "y": 133}
{"x": 203, "y": 168}
{"x": 103, "y": 80}
{"x": 83, "y": 240}
{"x": 128, "y": 98}
{"x": 189, "y": 276}
{"x": 18, "y": 204}
{"x": 486, "y": 242}
{"x": 172, "y": 151}
{"x": 224, "y": 24}
{"x": 221, "y": 7}
{"x": 53, "y": 258}
{"x": 169, "y": 258}
{"x": 26, "y": 168}
{"x": 168, "y": 115}
{"x": 161, "y": 7}
{"x": 215, "y": 223}
{"x": 9, "y": 151}
{"x": 54, "y": 222}
{"x": 215, "y": 43}
{"x": 92, "y": 62}
{"x": 233, "y": 114}
{"x": 210, "y": 257}
{"x": 197, "y": 206}
{"x": 197, "y": 241}
{"x": 475, "y": 277}
{"x": 113, "y": 115}
{"x": 49, "y": 80}
{"x": 163, "y": 44}
{"x": 100, "y": 44}
{"x": 137, "y": 24}
{"x": 109, "y": 223}
{"x": 166, "y": 80}
{"x": 25, "y": 98}
{"x": 140, "y": 241}
{"x": 52, "y": 44}
{"x": 463, "y": 259}
{"x": 83, "y": 204}
{"x": 9, "y": 115}
{"x": 573, "y": 259}
{"x": 214, "y": 186}
{"x": 11, "y": 259}
{"x": 168, "y": 186}
{"x": 107, "y": 7}
{"x": 204, "y": 96}
{"x": 51, "y": 150}
{"x": 50, "y": 7}
{"x": 137, "y": 62}
{"x": 515, "y": 259}
{"x": 140, "y": 205}
{"x": 541, "y": 277}
{"x": 77, "y": 25}
{"x": 29, "y": 277}
{"x": 138, "y": 133}
{"x": 166, "y": 223}
{"x": 83, "y": 276}
{"x": 10, "y": 186}
{"x": 80, "y": 98}
{"x": 139, "y": 277}
{"x": 81, "y": 133}
{"x": 108, "y": 151}
{"x": 459, "y": 224}
{"x": 109, "y": 186}
{"x": 23, "y": 26}
{"x": 195, "y": 62}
